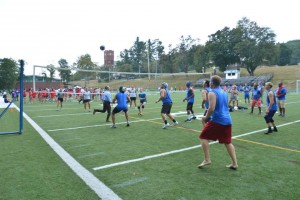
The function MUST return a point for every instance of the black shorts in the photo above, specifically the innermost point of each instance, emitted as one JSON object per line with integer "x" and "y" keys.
{"x": 189, "y": 106}
{"x": 117, "y": 110}
{"x": 143, "y": 101}
{"x": 166, "y": 108}
{"x": 86, "y": 100}
{"x": 132, "y": 98}
{"x": 60, "y": 99}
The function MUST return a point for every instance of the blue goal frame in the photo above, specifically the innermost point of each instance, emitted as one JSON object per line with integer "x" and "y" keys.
{"x": 21, "y": 102}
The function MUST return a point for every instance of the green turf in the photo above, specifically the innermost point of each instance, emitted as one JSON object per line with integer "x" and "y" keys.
{"x": 268, "y": 164}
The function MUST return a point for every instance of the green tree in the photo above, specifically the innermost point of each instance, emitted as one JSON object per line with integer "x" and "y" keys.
{"x": 9, "y": 73}
{"x": 137, "y": 52}
{"x": 186, "y": 48}
{"x": 221, "y": 47}
{"x": 285, "y": 54}
{"x": 65, "y": 72}
{"x": 256, "y": 46}
{"x": 83, "y": 63}
{"x": 201, "y": 58}
{"x": 51, "y": 70}
{"x": 294, "y": 45}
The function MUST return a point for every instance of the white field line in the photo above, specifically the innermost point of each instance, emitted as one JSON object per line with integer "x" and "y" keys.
{"x": 180, "y": 150}
{"x": 90, "y": 180}
{"x": 130, "y": 182}
{"x": 40, "y": 116}
{"x": 98, "y": 125}
{"x": 91, "y": 155}
{"x": 79, "y": 146}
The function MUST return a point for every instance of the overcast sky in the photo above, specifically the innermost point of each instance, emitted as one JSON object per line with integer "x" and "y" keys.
{"x": 43, "y": 31}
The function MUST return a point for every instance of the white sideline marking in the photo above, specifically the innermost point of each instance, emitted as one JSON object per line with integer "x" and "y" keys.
{"x": 90, "y": 180}
{"x": 180, "y": 150}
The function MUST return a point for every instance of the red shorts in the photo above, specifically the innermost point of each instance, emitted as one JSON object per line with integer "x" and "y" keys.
{"x": 214, "y": 131}
{"x": 256, "y": 102}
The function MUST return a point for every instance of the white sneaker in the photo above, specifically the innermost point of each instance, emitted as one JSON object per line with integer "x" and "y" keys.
{"x": 175, "y": 123}
{"x": 165, "y": 126}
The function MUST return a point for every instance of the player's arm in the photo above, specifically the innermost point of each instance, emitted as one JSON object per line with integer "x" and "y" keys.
{"x": 212, "y": 105}
{"x": 128, "y": 99}
{"x": 162, "y": 95}
{"x": 204, "y": 98}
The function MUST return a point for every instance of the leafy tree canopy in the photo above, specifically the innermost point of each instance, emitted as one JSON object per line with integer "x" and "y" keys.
{"x": 9, "y": 73}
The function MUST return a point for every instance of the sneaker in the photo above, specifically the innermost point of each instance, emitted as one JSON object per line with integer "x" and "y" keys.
{"x": 194, "y": 117}
{"x": 275, "y": 129}
{"x": 280, "y": 115}
{"x": 113, "y": 126}
{"x": 175, "y": 123}
{"x": 188, "y": 120}
{"x": 283, "y": 115}
{"x": 127, "y": 125}
{"x": 165, "y": 126}
{"x": 269, "y": 131}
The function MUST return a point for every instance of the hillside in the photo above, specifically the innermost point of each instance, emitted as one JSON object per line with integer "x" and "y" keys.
{"x": 287, "y": 74}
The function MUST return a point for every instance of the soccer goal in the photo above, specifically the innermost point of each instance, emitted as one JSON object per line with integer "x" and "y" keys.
{"x": 9, "y": 116}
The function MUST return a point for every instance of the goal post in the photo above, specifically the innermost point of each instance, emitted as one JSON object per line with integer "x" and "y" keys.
{"x": 297, "y": 86}
{"x": 12, "y": 105}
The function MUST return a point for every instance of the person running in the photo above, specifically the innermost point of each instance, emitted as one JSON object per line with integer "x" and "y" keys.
{"x": 132, "y": 94}
{"x": 106, "y": 98}
{"x": 205, "y": 103}
{"x": 190, "y": 97}
{"x": 121, "y": 97}
{"x": 60, "y": 99}
{"x": 86, "y": 99}
{"x": 271, "y": 108}
{"x": 166, "y": 99}
{"x": 143, "y": 101}
{"x": 219, "y": 126}
{"x": 256, "y": 94}
{"x": 281, "y": 97}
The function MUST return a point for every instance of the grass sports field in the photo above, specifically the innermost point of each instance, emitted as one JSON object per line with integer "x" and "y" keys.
{"x": 144, "y": 161}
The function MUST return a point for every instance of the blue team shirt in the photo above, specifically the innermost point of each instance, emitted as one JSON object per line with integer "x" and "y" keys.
{"x": 167, "y": 99}
{"x": 122, "y": 100}
{"x": 189, "y": 93}
{"x": 142, "y": 97}
{"x": 274, "y": 106}
{"x": 256, "y": 94}
{"x": 221, "y": 113}
{"x": 282, "y": 91}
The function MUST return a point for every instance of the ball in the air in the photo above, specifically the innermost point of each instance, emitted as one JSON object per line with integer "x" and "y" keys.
{"x": 102, "y": 47}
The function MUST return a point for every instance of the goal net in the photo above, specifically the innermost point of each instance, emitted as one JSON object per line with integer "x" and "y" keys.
{"x": 150, "y": 81}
